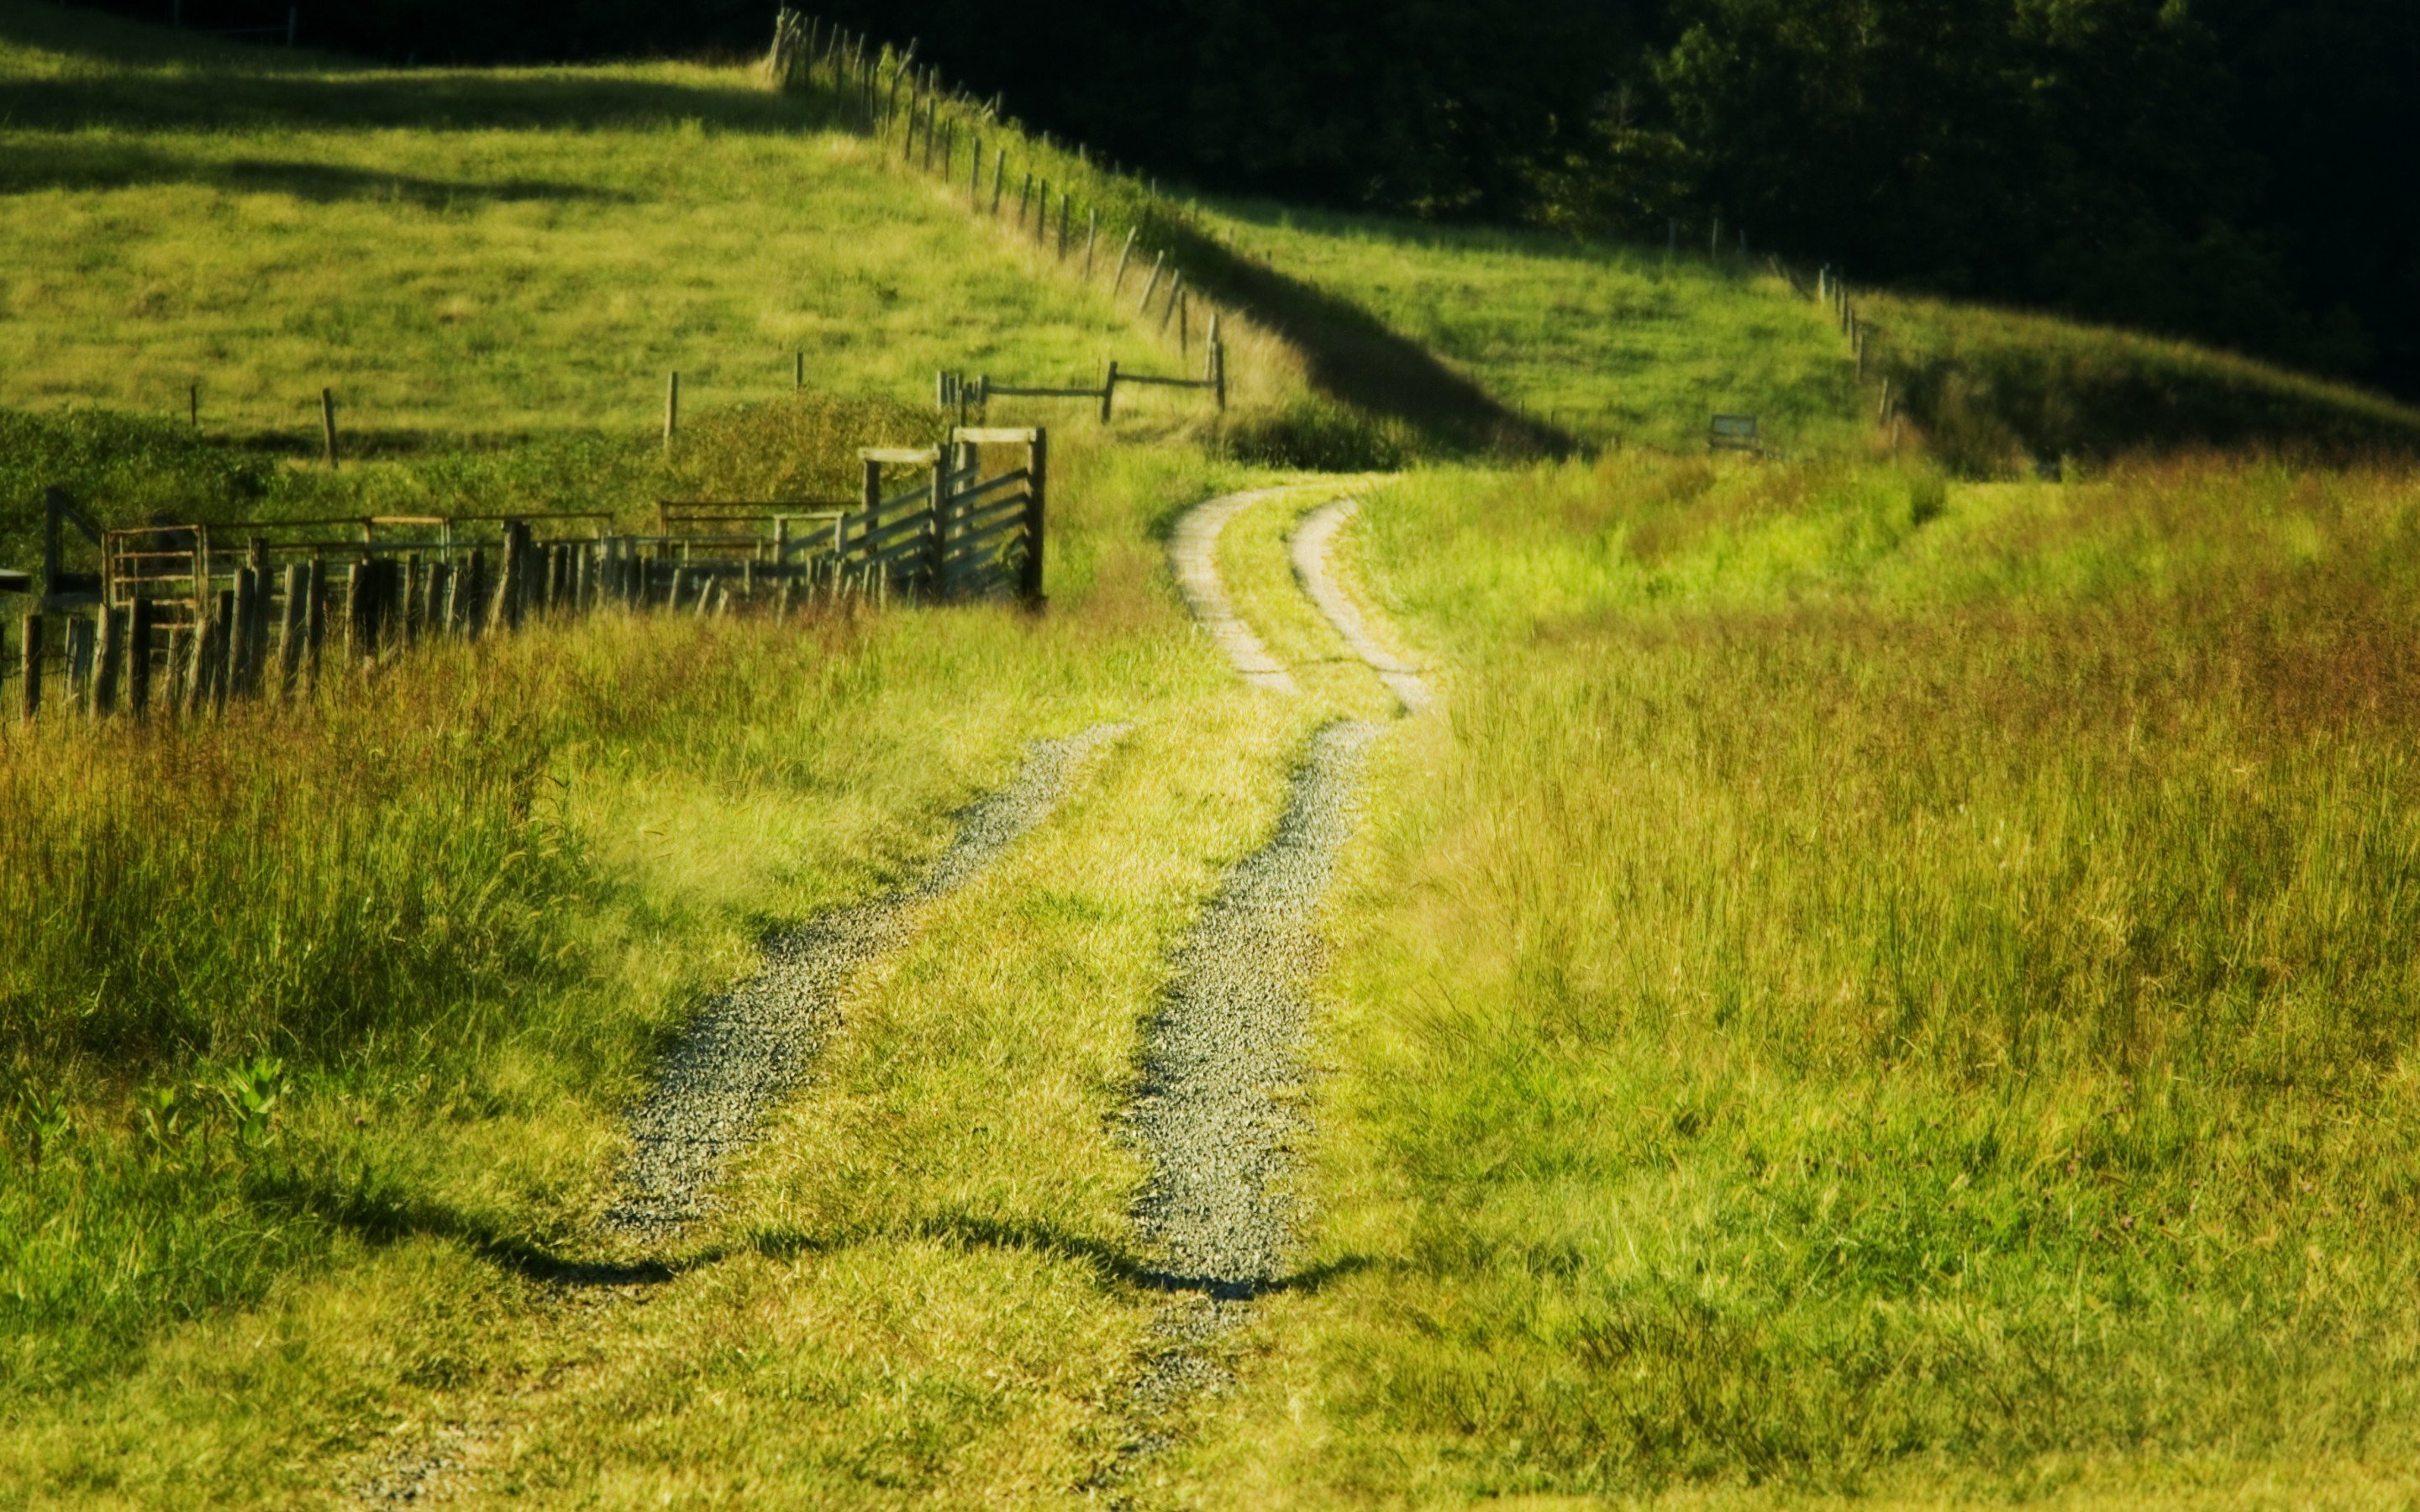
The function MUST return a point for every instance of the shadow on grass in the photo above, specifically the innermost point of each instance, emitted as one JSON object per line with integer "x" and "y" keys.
{"x": 120, "y": 74}
{"x": 379, "y": 1214}
{"x": 1114, "y": 1264}
{"x": 1355, "y": 358}
{"x": 83, "y": 163}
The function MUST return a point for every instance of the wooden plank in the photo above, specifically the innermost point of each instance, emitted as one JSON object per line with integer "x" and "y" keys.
{"x": 899, "y": 456}
{"x": 982, "y": 436}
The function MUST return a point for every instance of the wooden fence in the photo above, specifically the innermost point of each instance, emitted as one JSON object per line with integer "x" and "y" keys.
{"x": 954, "y": 390}
{"x": 181, "y": 618}
{"x": 1060, "y": 199}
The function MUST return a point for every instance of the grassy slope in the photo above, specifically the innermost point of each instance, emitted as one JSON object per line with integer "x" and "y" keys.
{"x": 1611, "y": 342}
{"x": 467, "y": 253}
{"x": 1853, "y": 1005}
{"x": 1608, "y": 344}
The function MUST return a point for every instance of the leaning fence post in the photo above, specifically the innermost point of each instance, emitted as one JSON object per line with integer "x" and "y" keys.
{"x": 1109, "y": 390}
{"x": 1152, "y": 286}
{"x": 1218, "y": 370}
{"x": 1119, "y": 283}
{"x": 671, "y": 408}
{"x": 998, "y": 179}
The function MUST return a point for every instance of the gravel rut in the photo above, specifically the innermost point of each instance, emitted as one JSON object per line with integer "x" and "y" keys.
{"x": 742, "y": 1052}
{"x": 1193, "y": 555}
{"x": 1313, "y": 548}
{"x": 749, "y": 1045}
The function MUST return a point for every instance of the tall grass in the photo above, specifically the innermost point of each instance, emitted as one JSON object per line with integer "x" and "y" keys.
{"x": 444, "y": 912}
{"x": 1857, "y": 1005}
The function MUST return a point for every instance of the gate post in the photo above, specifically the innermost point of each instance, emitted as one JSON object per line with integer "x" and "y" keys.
{"x": 1037, "y": 467}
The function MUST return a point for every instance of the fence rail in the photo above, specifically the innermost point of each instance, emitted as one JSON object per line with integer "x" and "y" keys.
{"x": 182, "y": 618}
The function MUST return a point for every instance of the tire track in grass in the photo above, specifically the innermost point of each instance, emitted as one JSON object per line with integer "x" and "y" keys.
{"x": 741, "y": 1053}
{"x": 751, "y": 1045}
{"x": 1193, "y": 555}
{"x": 1221, "y": 1063}
{"x": 1313, "y": 549}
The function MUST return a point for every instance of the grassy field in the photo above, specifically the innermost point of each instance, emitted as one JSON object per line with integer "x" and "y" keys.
{"x": 1608, "y": 344}
{"x": 1876, "y": 989}
{"x": 478, "y": 253}
{"x": 461, "y": 915}
{"x": 1873, "y": 985}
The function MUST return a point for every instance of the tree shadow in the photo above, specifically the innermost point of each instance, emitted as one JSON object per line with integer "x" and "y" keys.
{"x": 1114, "y": 1264}
{"x": 1357, "y": 358}
{"x": 81, "y": 164}
{"x": 131, "y": 76}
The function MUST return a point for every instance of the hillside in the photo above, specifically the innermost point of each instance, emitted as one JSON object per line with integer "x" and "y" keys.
{"x": 467, "y": 254}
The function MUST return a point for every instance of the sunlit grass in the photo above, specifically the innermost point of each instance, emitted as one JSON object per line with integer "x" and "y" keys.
{"x": 1862, "y": 1006}
{"x": 1612, "y": 343}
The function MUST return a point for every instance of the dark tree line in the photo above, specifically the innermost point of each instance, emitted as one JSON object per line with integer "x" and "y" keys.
{"x": 2239, "y": 171}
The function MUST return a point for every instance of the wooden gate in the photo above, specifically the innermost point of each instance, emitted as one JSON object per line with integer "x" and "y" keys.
{"x": 971, "y": 528}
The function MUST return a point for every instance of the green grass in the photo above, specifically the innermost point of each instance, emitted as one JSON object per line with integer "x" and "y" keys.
{"x": 1611, "y": 344}
{"x": 1875, "y": 993}
{"x": 464, "y": 904}
{"x": 467, "y": 253}
{"x": 1872, "y": 985}
{"x": 1998, "y": 392}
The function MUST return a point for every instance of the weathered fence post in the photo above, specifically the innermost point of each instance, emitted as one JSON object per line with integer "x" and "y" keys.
{"x": 110, "y": 668}
{"x": 315, "y": 619}
{"x": 1109, "y": 390}
{"x": 29, "y": 674}
{"x": 1151, "y": 286}
{"x": 1038, "y": 468}
{"x": 1092, "y": 235}
{"x": 225, "y": 636}
{"x": 290, "y": 628}
{"x": 327, "y": 423}
{"x": 81, "y": 648}
{"x": 240, "y": 664}
{"x": 998, "y": 179}
{"x": 1119, "y": 283}
{"x": 671, "y": 408}
{"x": 937, "y": 570}
{"x": 138, "y": 656}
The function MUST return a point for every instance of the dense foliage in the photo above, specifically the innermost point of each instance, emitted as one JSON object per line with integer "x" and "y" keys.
{"x": 2225, "y": 169}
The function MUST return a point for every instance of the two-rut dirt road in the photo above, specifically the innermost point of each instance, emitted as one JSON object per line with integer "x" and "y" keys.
{"x": 1215, "y": 1116}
